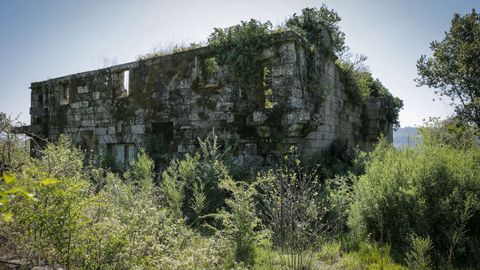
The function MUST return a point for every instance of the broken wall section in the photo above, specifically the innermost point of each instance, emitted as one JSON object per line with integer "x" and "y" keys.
{"x": 165, "y": 103}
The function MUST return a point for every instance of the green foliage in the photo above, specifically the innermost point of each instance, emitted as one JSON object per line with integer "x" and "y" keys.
{"x": 340, "y": 196}
{"x": 454, "y": 69}
{"x": 370, "y": 256}
{"x": 449, "y": 132}
{"x": 61, "y": 219}
{"x": 191, "y": 185}
{"x": 174, "y": 178}
{"x": 62, "y": 159}
{"x": 140, "y": 172}
{"x": 240, "y": 220}
{"x": 14, "y": 148}
{"x": 211, "y": 66}
{"x": 360, "y": 86}
{"x": 237, "y": 49}
{"x": 294, "y": 209}
{"x": 9, "y": 189}
{"x": 339, "y": 159}
{"x": 267, "y": 86}
{"x": 428, "y": 191}
{"x": 119, "y": 226}
{"x": 45, "y": 229}
{"x": 313, "y": 22}
{"x": 418, "y": 257}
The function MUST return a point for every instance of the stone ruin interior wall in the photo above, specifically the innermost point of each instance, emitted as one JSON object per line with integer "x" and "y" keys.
{"x": 332, "y": 115}
{"x": 164, "y": 103}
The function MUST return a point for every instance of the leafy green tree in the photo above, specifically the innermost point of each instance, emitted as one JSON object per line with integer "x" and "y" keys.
{"x": 141, "y": 173}
{"x": 454, "y": 68}
{"x": 448, "y": 132}
{"x": 430, "y": 191}
{"x": 14, "y": 147}
{"x": 9, "y": 189}
{"x": 418, "y": 257}
{"x": 44, "y": 230}
{"x": 313, "y": 22}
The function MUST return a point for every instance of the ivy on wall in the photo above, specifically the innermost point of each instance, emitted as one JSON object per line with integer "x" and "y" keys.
{"x": 239, "y": 47}
{"x": 360, "y": 86}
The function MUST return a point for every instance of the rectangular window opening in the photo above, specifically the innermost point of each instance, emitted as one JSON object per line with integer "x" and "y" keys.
{"x": 40, "y": 100}
{"x": 120, "y": 155}
{"x": 64, "y": 93}
{"x": 164, "y": 135}
{"x": 126, "y": 81}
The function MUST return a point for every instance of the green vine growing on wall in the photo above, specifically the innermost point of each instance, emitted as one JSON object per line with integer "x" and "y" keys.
{"x": 360, "y": 85}
{"x": 237, "y": 49}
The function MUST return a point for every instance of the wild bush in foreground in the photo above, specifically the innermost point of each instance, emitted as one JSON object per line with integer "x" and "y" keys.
{"x": 45, "y": 228}
{"x": 294, "y": 208}
{"x": 239, "y": 220}
{"x": 418, "y": 257}
{"x": 191, "y": 185}
{"x": 120, "y": 225}
{"x": 432, "y": 191}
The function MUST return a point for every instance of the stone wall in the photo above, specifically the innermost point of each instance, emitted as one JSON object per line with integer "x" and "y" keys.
{"x": 165, "y": 103}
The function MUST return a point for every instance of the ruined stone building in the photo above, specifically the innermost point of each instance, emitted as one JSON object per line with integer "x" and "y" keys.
{"x": 163, "y": 103}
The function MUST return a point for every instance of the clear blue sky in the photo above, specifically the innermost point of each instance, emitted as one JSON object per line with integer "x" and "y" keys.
{"x": 47, "y": 39}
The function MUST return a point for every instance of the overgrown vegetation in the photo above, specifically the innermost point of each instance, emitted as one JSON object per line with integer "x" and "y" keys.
{"x": 431, "y": 191}
{"x": 240, "y": 49}
{"x": 389, "y": 209}
{"x": 360, "y": 85}
{"x": 237, "y": 49}
{"x": 392, "y": 209}
{"x": 316, "y": 25}
{"x": 453, "y": 69}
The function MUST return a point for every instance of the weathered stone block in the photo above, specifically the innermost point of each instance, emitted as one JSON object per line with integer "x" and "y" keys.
{"x": 294, "y": 130}
{"x": 80, "y": 104}
{"x": 264, "y": 131}
{"x": 101, "y": 131}
{"x": 88, "y": 123}
{"x": 138, "y": 129}
{"x": 259, "y": 117}
{"x": 250, "y": 149}
{"x": 82, "y": 89}
{"x": 296, "y": 102}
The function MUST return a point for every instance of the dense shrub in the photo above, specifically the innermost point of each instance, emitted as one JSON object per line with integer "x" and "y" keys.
{"x": 418, "y": 258}
{"x": 450, "y": 132}
{"x": 239, "y": 219}
{"x": 431, "y": 191}
{"x": 339, "y": 159}
{"x": 419, "y": 206}
{"x": 117, "y": 225}
{"x": 294, "y": 208}
{"x": 44, "y": 228}
{"x": 191, "y": 185}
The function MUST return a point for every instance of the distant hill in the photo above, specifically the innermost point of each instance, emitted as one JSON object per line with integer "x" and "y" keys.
{"x": 406, "y": 136}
